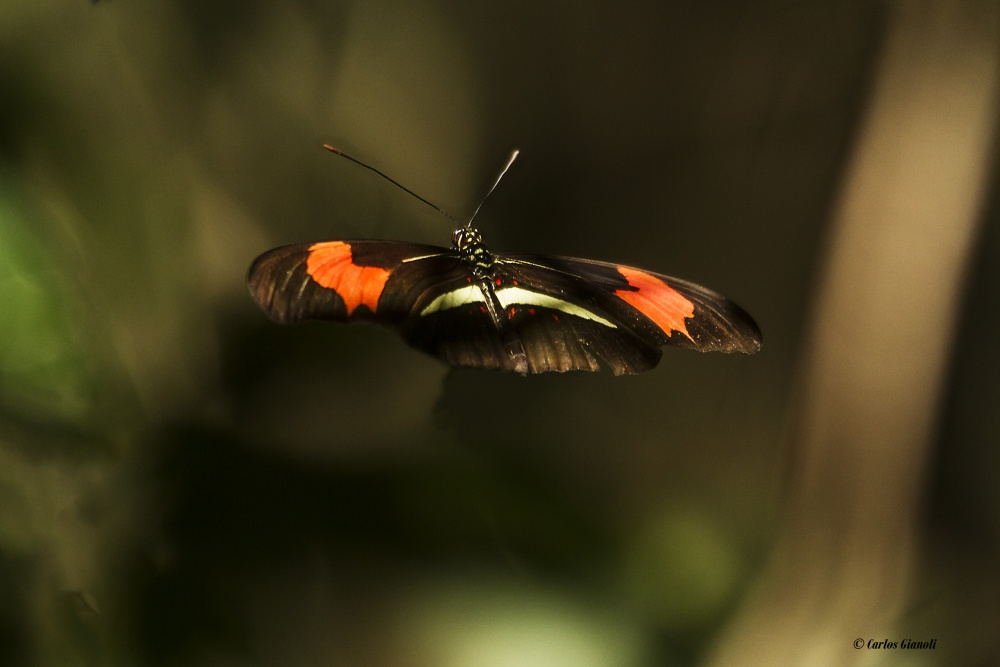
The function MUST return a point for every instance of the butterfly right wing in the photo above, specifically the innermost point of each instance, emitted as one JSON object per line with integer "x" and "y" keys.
{"x": 662, "y": 309}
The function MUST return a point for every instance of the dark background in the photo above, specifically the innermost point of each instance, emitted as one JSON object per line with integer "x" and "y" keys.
{"x": 183, "y": 482}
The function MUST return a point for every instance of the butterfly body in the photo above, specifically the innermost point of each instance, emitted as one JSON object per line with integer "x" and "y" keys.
{"x": 471, "y": 307}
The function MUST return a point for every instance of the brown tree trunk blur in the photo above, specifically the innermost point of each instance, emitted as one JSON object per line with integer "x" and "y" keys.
{"x": 880, "y": 337}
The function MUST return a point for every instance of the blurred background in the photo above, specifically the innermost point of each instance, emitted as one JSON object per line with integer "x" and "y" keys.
{"x": 183, "y": 482}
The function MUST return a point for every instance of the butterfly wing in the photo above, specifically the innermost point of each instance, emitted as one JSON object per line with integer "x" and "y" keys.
{"x": 348, "y": 281}
{"x": 505, "y": 326}
{"x": 535, "y": 314}
{"x": 660, "y": 309}
{"x": 541, "y": 314}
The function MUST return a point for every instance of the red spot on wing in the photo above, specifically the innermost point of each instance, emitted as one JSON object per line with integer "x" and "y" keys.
{"x": 657, "y": 300}
{"x": 331, "y": 265}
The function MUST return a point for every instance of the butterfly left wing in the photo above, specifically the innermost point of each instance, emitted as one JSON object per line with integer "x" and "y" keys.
{"x": 348, "y": 281}
{"x": 429, "y": 296}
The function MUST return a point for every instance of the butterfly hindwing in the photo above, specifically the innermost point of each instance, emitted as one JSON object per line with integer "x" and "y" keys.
{"x": 529, "y": 339}
{"x": 528, "y": 319}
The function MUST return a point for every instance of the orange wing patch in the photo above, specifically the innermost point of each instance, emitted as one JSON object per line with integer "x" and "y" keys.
{"x": 656, "y": 300}
{"x": 331, "y": 265}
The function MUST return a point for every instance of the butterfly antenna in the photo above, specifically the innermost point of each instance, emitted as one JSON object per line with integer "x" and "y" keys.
{"x": 510, "y": 161}
{"x": 337, "y": 151}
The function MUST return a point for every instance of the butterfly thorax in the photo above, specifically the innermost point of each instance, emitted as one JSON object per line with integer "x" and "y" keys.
{"x": 468, "y": 242}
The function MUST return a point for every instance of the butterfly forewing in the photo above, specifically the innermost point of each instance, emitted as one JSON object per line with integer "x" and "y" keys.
{"x": 661, "y": 309}
{"x": 347, "y": 280}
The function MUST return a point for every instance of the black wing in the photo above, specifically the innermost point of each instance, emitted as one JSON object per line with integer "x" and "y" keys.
{"x": 346, "y": 281}
{"x": 665, "y": 310}
{"x": 506, "y": 325}
{"x": 535, "y": 314}
{"x": 541, "y": 314}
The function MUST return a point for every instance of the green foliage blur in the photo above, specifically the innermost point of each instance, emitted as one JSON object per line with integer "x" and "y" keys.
{"x": 183, "y": 482}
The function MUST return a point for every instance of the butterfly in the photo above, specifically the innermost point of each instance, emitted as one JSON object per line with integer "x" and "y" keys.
{"x": 471, "y": 307}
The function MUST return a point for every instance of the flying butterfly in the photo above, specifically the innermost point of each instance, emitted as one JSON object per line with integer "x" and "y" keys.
{"x": 471, "y": 307}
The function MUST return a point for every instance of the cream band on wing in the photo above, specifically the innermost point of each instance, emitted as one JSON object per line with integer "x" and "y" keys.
{"x": 454, "y": 299}
{"x": 511, "y": 296}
